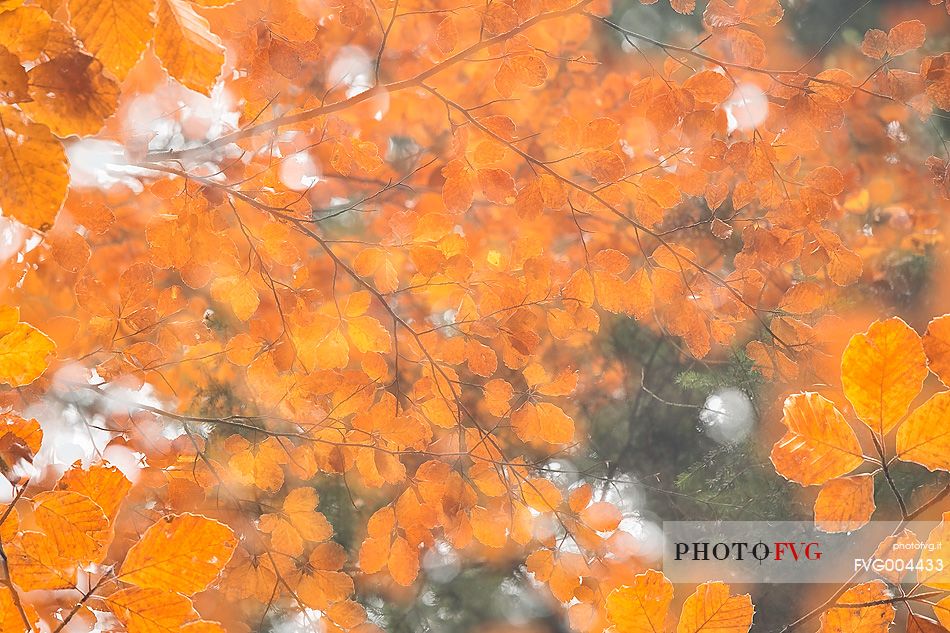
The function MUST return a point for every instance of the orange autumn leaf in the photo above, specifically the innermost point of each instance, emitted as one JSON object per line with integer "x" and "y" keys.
{"x": 872, "y": 618}
{"x": 25, "y": 30}
{"x": 374, "y": 554}
{"x": 346, "y": 614}
{"x": 600, "y": 133}
{"x": 819, "y": 445}
{"x": 554, "y": 426}
{"x": 942, "y": 611}
{"x": 932, "y": 572}
{"x": 24, "y": 350}
{"x": 36, "y": 564}
{"x": 601, "y": 516}
{"x": 239, "y": 292}
{"x": 446, "y": 35}
{"x": 21, "y": 437}
{"x": 415, "y": 257}
{"x": 296, "y": 523}
{"x": 10, "y": 617}
{"x": 458, "y": 190}
{"x": 711, "y": 608}
{"x": 874, "y": 44}
{"x": 259, "y": 465}
{"x": 643, "y": 606}
{"x": 321, "y": 584}
{"x": 14, "y": 85}
{"x": 71, "y": 95}
{"x": 116, "y": 35}
{"x": 894, "y": 548}
{"x": 604, "y": 165}
{"x": 369, "y": 335}
{"x": 905, "y": 37}
{"x": 403, "y": 563}
{"x": 922, "y": 438}
{"x": 497, "y": 185}
{"x": 917, "y": 623}
{"x": 145, "y": 610}
{"x": 105, "y": 485}
{"x": 75, "y": 524}
{"x": 709, "y": 86}
{"x": 187, "y": 48}
{"x": 882, "y": 371}
{"x": 846, "y": 504}
{"x": 936, "y": 341}
{"x": 183, "y": 553}
{"x": 36, "y": 168}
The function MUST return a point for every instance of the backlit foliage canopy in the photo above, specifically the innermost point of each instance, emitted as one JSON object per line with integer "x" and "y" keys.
{"x": 257, "y": 251}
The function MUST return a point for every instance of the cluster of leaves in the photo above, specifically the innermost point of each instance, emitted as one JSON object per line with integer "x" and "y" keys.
{"x": 883, "y": 372}
{"x": 395, "y": 251}
{"x": 62, "y": 64}
{"x": 150, "y": 589}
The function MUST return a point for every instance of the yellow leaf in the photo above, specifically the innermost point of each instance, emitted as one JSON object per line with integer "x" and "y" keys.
{"x": 846, "y": 504}
{"x": 239, "y": 292}
{"x": 882, "y": 371}
{"x": 643, "y": 606}
{"x": 187, "y": 48}
{"x": 368, "y": 335}
{"x": 924, "y": 437}
{"x": 711, "y": 608}
{"x": 75, "y": 524}
{"x": 151, "y": 610}
{"x": 24, "y": 350}
{"x": 115, "y": 32}
{"x": 183, "y": 553}
{"x": 35, "y": 173}
{"x": 819, "y": 444}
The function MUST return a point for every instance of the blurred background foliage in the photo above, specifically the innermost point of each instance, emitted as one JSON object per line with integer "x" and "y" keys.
{"x": 688, "y": 440}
